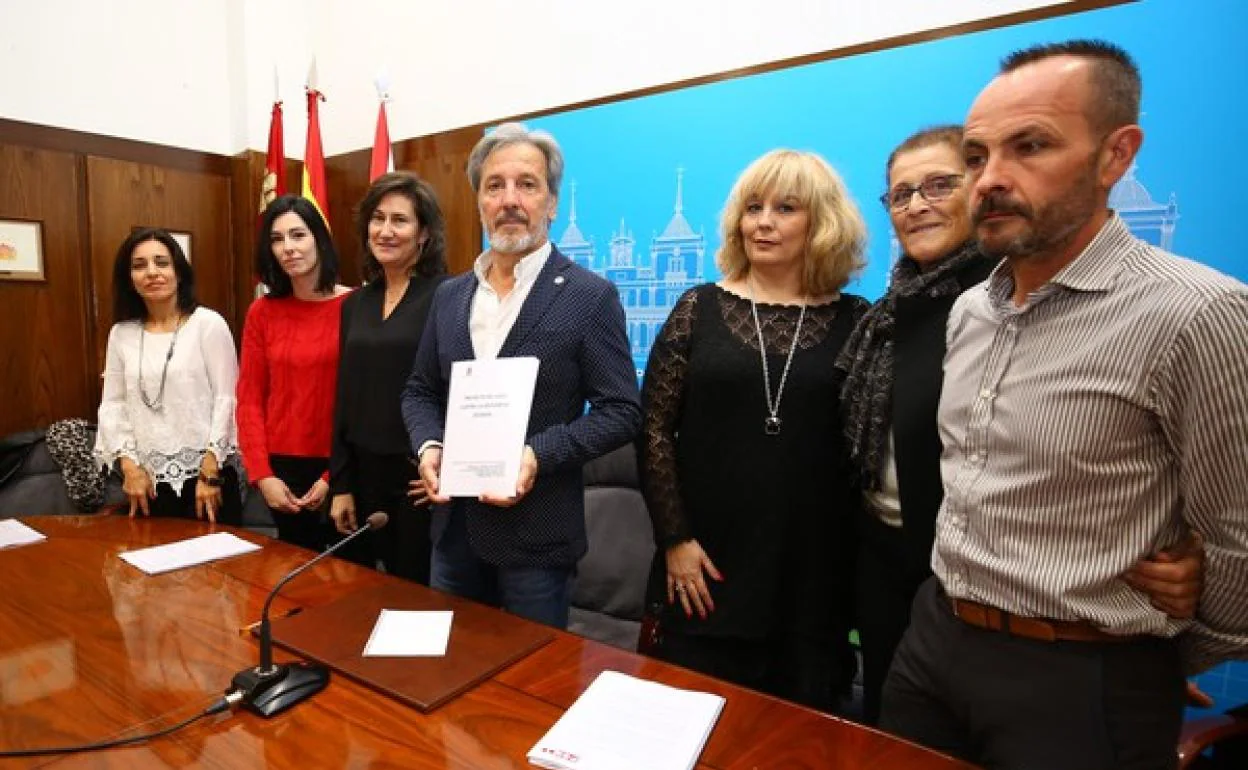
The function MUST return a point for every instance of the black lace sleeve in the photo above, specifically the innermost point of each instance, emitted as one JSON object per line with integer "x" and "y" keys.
{"x": 662, "y": 397}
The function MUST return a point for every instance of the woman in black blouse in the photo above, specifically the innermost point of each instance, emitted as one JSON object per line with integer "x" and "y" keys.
{"x": 742, "y": 454}
{"x": 404, "y": 239}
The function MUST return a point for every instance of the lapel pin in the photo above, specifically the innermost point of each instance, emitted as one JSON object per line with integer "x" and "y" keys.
{"x": 558, "y": 280}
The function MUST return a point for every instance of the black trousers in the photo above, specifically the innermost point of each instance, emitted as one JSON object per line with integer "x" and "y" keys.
{"x": 180, "y": 503}
{"x": 403, "y": 547}
{"x": 308, "y": 529}
{"x": 1003, "y": 701}
{"x": 885, "y": 587}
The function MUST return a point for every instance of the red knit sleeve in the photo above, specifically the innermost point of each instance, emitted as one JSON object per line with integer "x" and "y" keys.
{"x": 253, "y": 393}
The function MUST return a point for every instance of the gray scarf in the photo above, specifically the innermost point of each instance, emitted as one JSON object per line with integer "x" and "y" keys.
{"x": 867, "y": 358}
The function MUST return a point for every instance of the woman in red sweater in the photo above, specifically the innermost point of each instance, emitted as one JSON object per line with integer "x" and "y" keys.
{"x": 289, "y": 370}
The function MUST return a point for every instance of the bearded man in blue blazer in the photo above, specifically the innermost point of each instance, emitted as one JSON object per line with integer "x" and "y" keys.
{"x": 523, "y": 298}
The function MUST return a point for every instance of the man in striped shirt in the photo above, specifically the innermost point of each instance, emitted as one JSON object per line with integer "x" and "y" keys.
{"x": 1094, "y": 411}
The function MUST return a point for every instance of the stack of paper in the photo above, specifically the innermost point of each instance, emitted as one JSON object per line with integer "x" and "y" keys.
{"x": 15, "y": 533}
{"x": 624, "y": 723}
{"x": 188, "y": 553}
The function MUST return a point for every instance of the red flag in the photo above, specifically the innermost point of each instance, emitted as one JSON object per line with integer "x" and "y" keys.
{"x": 315, "y": 188}
{"x": 383, "y": 154}
{"x": 273, "y": 183}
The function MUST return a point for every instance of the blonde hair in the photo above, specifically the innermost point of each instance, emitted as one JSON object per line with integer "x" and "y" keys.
{"x": 836, "y": 235}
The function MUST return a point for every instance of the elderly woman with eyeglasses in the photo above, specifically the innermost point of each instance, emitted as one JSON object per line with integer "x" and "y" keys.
{"x": 893, "y": 364}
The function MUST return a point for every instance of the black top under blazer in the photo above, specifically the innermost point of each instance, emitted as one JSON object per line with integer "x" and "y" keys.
{"x": 573, "y": 323}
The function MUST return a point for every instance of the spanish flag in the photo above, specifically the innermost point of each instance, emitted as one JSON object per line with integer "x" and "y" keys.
{"x": 315, "y": 188}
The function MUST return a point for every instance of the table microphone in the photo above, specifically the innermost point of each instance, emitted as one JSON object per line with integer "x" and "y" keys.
{"x": 267, "y": 688}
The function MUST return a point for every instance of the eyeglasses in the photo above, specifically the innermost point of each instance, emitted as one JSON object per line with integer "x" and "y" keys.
{"x": 934, "y": 188}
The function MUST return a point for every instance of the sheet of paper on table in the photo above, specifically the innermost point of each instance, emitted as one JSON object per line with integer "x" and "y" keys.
{"x": 409, "y": 633}
{"x": 14, "y": 533}
{"x": 188, "y": 553}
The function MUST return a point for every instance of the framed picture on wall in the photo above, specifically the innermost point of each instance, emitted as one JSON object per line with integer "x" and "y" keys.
{"x": 21, "y": 250}
{"x": 184, "y": 240}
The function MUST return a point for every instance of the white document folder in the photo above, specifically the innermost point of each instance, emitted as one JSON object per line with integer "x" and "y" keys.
{"x": 624, "y": 723}
{"x": 487, "y": 416}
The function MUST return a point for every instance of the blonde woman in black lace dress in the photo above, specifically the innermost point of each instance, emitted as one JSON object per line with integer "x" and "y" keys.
{"x": 743, "y": 462}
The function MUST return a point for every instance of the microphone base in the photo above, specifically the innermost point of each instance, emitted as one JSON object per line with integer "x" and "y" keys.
{"x": 268, "y": 693}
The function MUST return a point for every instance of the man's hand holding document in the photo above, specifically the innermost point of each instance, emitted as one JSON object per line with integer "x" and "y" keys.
{"x": 487, "y": 416}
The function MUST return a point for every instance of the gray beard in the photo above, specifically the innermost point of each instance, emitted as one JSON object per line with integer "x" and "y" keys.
{"x": 517, "y": 244}
{"x": 512, "y": 244}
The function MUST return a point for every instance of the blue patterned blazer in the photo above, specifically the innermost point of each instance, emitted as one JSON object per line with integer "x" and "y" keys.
{"x": 573, "y": 323}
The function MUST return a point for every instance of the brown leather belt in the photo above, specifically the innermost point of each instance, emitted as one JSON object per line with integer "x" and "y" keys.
{"x": 1040, "y": 629}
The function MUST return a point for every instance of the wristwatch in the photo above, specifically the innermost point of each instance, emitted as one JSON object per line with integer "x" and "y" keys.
{"x": 212, "y": 481}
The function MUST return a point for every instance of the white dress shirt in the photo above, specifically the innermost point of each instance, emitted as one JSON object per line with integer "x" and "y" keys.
{"x": 493, "y": 316}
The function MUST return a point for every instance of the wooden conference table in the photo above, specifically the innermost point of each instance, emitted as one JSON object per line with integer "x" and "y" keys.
{"x": 91, "y": 648}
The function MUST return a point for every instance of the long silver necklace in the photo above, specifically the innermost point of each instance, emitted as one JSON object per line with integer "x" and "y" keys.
{"x": 771, "y": 426}
{"x": 158, "y": 403}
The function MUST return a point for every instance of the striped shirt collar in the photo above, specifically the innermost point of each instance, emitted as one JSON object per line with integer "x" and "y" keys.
{"x": 1095, "y": 269}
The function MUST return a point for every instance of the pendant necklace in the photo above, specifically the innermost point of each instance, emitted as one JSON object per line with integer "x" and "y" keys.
{"x": 156, "y": 404}
{"x": 771, "y": 425}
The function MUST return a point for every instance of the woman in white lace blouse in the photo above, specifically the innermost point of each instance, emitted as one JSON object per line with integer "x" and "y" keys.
{"x": 167, "y": 413}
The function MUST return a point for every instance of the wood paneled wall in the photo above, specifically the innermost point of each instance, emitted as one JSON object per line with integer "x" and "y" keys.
{"x": 46, "y": 339}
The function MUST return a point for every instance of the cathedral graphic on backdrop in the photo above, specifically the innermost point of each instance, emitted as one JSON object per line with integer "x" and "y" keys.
{"x": 649, "y": 284}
